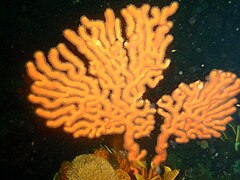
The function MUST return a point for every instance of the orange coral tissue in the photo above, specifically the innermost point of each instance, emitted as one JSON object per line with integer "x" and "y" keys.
{"x": 105, "y": 97}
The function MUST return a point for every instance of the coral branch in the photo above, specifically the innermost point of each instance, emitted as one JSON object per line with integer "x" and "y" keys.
{"x": 199, "y": 110}
{"x": 105, "y": 97}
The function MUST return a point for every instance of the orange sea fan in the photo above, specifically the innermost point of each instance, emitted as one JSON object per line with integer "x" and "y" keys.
{"x": 105, "y": 98}
{"x": 199, "y": 110}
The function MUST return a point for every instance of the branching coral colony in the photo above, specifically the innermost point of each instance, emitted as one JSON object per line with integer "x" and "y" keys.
{"x": 105, "y": 97}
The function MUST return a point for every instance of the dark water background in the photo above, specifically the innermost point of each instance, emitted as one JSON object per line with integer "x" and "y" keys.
{"x": 207, "y": 36}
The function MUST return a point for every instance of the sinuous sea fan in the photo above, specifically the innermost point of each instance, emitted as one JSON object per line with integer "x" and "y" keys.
{"x": 106, "y": 97}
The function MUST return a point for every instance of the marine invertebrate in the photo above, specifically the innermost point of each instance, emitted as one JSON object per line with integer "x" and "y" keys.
{"x": 105, "y": 96}
{"x": 150, "y": 173}
{"x": 199, "y": 110}
{"x": 88, "y": 166}
{"x": 103, "y": 153}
